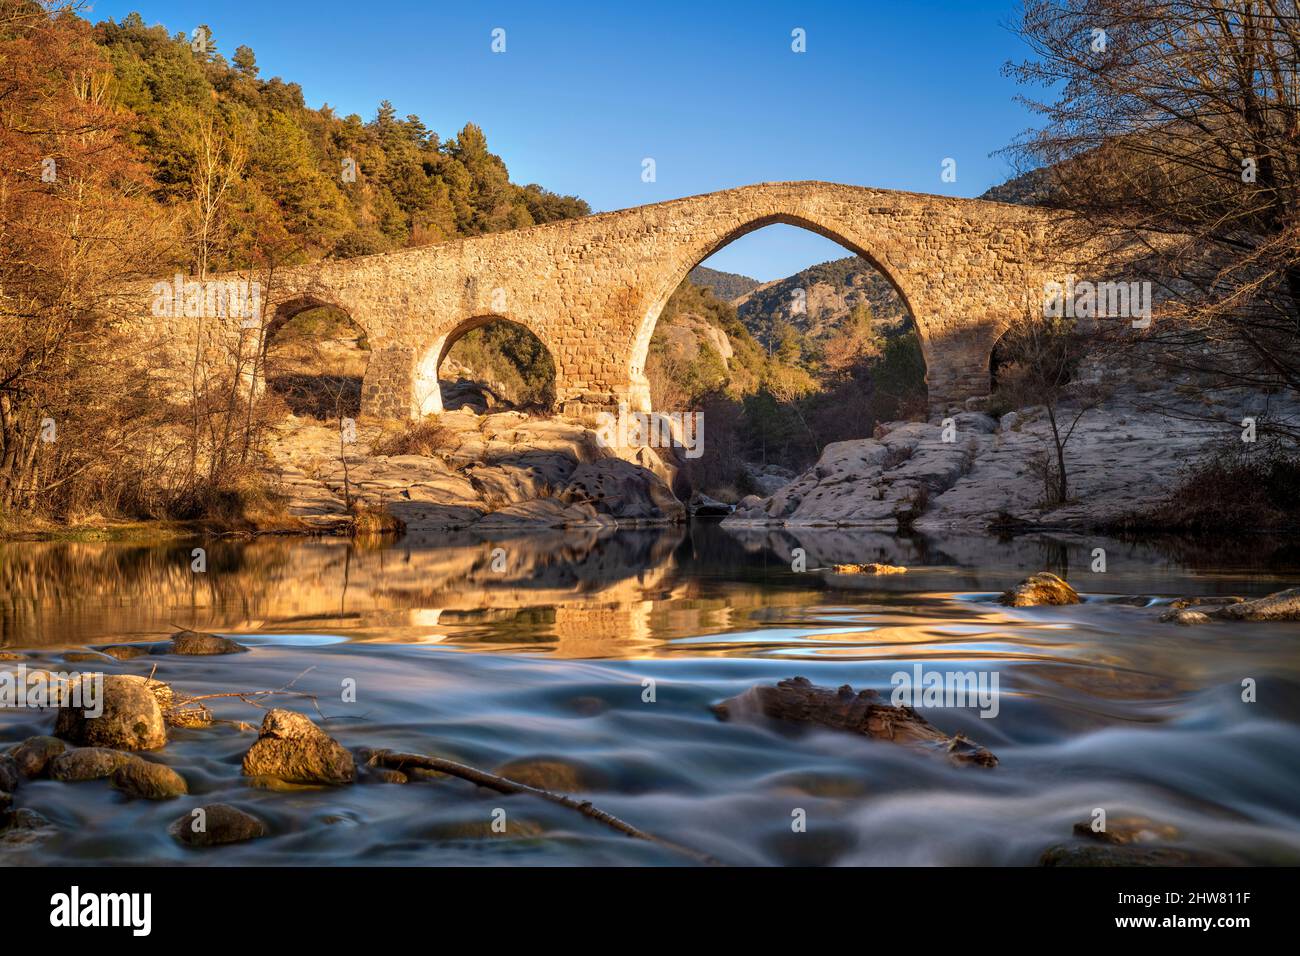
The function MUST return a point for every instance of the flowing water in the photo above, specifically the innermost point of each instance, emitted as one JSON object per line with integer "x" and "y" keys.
{"x": 598, "y": 657}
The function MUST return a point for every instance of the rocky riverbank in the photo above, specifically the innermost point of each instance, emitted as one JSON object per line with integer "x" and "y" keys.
{"x": 974, "y": 470}
{"x": 500, "y": 471}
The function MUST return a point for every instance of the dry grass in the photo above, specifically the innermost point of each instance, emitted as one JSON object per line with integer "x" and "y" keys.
{"x": 425, "y": 437}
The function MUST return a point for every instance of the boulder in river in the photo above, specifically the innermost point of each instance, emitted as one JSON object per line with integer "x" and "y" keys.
{"x": 623, "y": 490}
{"x": 202, "y": 644}
{"x": 1041, "y": 588}
{"x": 216, "y": 824}
{"x": 86, "y": 763}
{"x": 1281, "y": 606}
{"x": 151, "y": 781}
{"x": 801, "y": 701}
{"x": 33, "y": 755}
{"x": 1184, "y": 616}
{"x": 10, "y": 775}
{"x": 125, "y": 652}
{"x": 1122, "y": 831}
{"x": 131, "y": 720}
{"x": 291, "y": 748}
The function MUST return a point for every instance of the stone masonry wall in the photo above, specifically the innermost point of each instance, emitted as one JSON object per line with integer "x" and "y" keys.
{"x": 592, "y": 289}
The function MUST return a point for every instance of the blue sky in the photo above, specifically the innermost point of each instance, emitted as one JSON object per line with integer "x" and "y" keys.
{"x": 711, "y": 91}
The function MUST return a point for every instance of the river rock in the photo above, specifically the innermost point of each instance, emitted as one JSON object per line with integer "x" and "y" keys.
{"x": 869, "y": 569}
{"x": 702, "y": 506}
{"x": 1041, "y": 588}
{"x": 549, "y": 774}
{"x": 623, "y": 490}
{"x": 150, "y": 781}
{"x": 87, "y": 763}
{"x": 221, "y": 823}
{"x": 23, "y": 825}
{"x": 1107, "y": 854}
{"x": 1281, "y": 606}
{"x": 1185, "y": 617}
{"x": 1202, "y": 602}
{"x": 33, "y": 755}
{"x": 293, "y": 749}
{"x": 10, "y": 775}
{"x": 1121, "y": 831}
{"x": 201, "y": 644}
{"x": 132, "y": 718}
{"x": 798, "y": 700}
{"x": 125, "y": 652}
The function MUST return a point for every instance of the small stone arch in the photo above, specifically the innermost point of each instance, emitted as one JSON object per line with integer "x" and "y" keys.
{"x": 285, "y": 312}
{"x": 639, "y": 391}
{"x": 426, "y": 389}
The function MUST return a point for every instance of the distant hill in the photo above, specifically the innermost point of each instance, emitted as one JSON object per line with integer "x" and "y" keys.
{"x": 725, "y": 285}
{"x": 1034, "y": 188}
{"x": 830, "y": 290}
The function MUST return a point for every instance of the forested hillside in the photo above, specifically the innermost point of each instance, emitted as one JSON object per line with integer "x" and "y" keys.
{"x": 259, "y": 174}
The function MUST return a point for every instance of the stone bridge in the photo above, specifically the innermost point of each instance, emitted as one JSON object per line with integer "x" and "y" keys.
{"x": 592, "y": 289}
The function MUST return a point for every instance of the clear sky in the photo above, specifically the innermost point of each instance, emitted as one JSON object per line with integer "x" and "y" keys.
{"x": 712, "y": 92}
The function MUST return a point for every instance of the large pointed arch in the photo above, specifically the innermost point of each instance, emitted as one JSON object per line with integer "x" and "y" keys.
{"x": 663, "y": 290}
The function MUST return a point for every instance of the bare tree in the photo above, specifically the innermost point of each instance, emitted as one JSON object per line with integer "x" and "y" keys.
{"x": 1173, "y": 130}
{"x": 1041, "y": 358}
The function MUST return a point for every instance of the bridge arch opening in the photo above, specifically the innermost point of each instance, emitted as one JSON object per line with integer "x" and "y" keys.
{"x": 314, "y": 357}
{"x": 486, "y": 363}
{"x": 784, "y": 366}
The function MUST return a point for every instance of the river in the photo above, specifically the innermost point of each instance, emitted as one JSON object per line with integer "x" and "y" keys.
{"x": 599, "y": 655}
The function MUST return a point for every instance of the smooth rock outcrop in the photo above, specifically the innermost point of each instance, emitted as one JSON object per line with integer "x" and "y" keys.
{"x": 293, "y": 749}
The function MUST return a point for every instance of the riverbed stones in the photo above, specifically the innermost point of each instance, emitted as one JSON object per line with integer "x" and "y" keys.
{"x": 1038, "y": 589}
{"x": 131, "y": 720}
{"x": 10, "y": 775}
{"x": 1281, "y": 606}
{"x": 1121, "y": 831}
{"x": 33, "y": 755}
{"x": 798, "y": 700}
{"x": 293, "y": 749}
{"x": 87, "y": 763}
{"x": 126, "y": 652}
{"x": 23, "y": 826}
{"x": 548, "y": 773}
{"x": 216, "y": 824}
{"x": 202, "y": 644}
{"x": 148, "y": 780}
{"x": 1184, "y": 616}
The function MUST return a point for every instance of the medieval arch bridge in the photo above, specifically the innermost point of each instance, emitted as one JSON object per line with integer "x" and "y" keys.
{"x": 591, "y": 289}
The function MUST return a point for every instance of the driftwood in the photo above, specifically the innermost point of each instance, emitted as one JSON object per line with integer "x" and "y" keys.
{"x": 801, "y": 701}
{"x": 395, "y": 760}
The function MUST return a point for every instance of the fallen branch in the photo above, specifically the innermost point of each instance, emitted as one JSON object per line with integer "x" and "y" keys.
{"x": 395, "y": 760}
